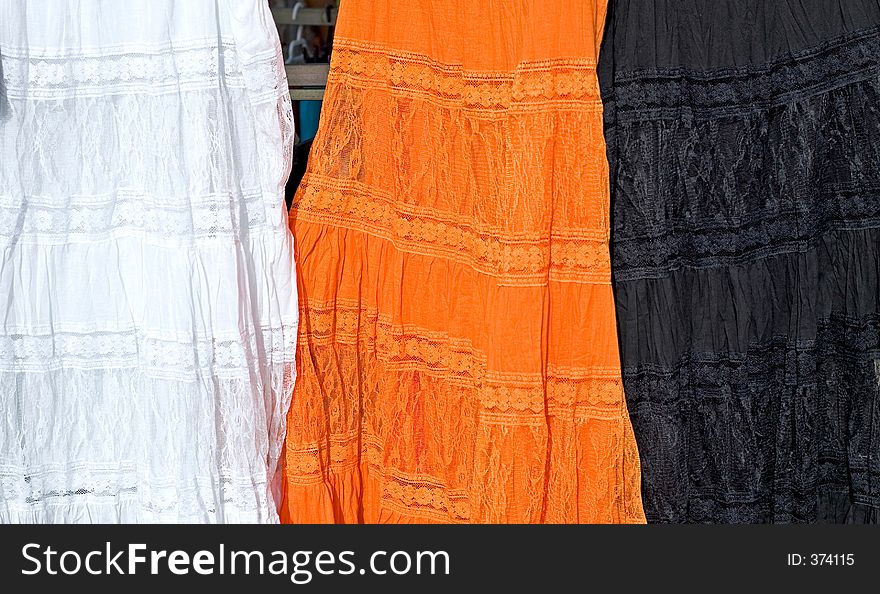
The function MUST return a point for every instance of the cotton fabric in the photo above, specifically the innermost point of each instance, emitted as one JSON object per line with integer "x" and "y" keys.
{"x": 744, "y": 141}
{"x": 457, "y": 357}
{"x": 148, "y": 311}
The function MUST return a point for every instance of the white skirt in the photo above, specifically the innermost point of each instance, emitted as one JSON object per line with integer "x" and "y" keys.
{"x": 147, "y": 290}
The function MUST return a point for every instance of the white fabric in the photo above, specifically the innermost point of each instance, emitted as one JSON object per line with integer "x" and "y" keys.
{"x": 147, "y": 293}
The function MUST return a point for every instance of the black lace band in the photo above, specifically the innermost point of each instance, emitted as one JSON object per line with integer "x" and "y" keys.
{"x": 680, "y": 92}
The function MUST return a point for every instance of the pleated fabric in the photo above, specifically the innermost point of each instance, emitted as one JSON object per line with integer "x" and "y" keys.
{"x": 744, "y": 141}
{"x": 148, "y": 312}
{"x": 457, "y": 358}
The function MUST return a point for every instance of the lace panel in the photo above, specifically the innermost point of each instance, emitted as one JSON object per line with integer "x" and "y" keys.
{"x": 818, "y": 173}
{"x": 437, "y": 458}
{"x": 745, "y": 230}
{"x": 183, "y": 359}
{"x": 680, "y": 92}
{"x": 131, "y": 214}
{"x": 507, "y": 224}
{"x": 192, "y": 451}
{"x": 768, "y": 430}
{"x": 573, "y": 255}
{"x": 540, "y": 85}
{"x": 171, "y": 68}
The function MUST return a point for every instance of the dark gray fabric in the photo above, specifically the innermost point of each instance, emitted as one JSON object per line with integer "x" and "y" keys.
{"x": 744, "y": 143}
{"x": 703, "y": 35}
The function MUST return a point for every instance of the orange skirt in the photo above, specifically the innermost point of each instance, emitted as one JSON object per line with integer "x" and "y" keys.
{"x": 457, "y": 356}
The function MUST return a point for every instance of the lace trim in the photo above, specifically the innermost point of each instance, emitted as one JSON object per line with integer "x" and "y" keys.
{"x": 401, "y": 347}
{"x": 527, "y": 259}
{"x": 160, "y": 70}
{"x": 183, "y": 359}
{"x": 666, "y": 93}
{"x": 857, "y": 336}
{"x": 560, "y": 391}
{"x": 736, "y": 208}
{"x": 420, "y": 495}
{"x": 407, "y": 494}
{"x": 125, "y": 212}
{"x": 540, "y": 85}
{"x": 430, "y": 432}
{"x": 424, "y": 497}
{"x": 700, "y": 243}
{"x": 771, "y": 427}
{"x": 36, "y": 492}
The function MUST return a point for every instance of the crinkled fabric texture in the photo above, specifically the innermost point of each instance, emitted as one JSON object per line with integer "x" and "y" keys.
{"x": 146, "y": 330}
{"x": 4, "y": 106}
{"x": 744, "y": 143}
{"x": 458, "y": 358}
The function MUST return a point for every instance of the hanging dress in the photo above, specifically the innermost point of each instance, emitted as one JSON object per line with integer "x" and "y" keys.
{"x": 148, "y": 306}
{"x": 457, "y": 357}
{"x": 744, "y": 140}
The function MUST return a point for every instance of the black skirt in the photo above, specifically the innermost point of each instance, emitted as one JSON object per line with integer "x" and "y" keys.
{"x": 744, "y": 142}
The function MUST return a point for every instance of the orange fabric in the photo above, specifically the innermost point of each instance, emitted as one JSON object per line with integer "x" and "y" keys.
{"x": 457, "y": 357}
